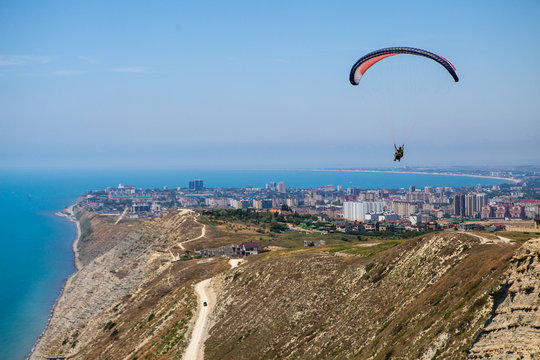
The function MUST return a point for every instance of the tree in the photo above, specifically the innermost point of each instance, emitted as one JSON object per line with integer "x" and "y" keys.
{"x": 277, "y": 227}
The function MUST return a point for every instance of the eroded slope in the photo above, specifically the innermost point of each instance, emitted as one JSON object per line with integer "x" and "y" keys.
{"x": 133, "y": 297}
{"x": 425, "y": 298}
{"x": 513, "y": 330}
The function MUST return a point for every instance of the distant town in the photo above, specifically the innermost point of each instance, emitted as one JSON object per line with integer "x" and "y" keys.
{"x": 336, "y": 208}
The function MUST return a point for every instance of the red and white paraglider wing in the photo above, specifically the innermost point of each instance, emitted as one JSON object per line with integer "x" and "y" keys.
{"x": 367, "y": 61}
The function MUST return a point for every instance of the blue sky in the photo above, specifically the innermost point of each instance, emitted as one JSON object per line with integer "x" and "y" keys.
{"x": 264, "y": 84}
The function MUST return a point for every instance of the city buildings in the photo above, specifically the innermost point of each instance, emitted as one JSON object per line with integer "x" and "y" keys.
{"x": 370, "y": 208}
{"x": 261, "y": 204}
{"x": 488, "y": 212}
{"x": 459, "y": 204}
{"x": 404, "y": 208}
{"x": 245, "y": 249}
{"x": 196, "y": 185}
{"x": 470, "y": 205}
{"x": 481, "y": 201}
{"x": 383, "y": 216}
{"x": 357, "y": 210}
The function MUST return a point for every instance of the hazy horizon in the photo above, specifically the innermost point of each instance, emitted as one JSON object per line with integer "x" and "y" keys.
{"x": 265, "y": 85}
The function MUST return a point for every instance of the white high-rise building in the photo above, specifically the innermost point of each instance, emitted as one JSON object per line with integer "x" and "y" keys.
{"x": 470, "y": 205}
{"x": 291, "y": 202}
{"x": 404, "y": 208}
{"x": 481, "y": 200}
{"x": 357, "y": 210}
{"x": 281, "y": 187}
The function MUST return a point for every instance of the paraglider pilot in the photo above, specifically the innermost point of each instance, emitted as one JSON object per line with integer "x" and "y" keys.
{"x": 399, "y": 152}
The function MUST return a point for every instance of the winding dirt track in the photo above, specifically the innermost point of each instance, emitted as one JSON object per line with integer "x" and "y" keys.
{"x": 205, "y": 292}
{"x": 203, "y": 234}
{"x": 484, "y": 240}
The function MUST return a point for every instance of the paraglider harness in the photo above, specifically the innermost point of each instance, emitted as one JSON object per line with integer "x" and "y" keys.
{"x": 399, "y": 152}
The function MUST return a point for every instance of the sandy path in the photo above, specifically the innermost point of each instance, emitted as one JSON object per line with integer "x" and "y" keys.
{"x": 203, "y": 234}
{"x": 121, "y": 216}
{"x": 205, "y": 292}
{"x": 235, "y": 262}
{"x": 484, "y": 240}
{"x": 506, "y": 240}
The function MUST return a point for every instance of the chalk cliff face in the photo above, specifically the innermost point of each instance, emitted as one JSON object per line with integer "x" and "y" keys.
{"x": 425, "y": 298}
{"x": 133, "y": 295}
{"x": 513, "y": 330}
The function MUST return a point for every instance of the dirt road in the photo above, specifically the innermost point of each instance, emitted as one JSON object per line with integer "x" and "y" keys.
{"x": 497, "y": 240}
{"x": 203, "y": 234}
{"x": 205, "y": 292}
{"x": 235, "y": 262}
{"x": 121, "y": 216}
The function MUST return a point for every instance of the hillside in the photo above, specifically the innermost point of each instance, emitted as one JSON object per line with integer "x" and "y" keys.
{"x": 514, "y": 327}
{"x": 425, "y": 297}
{"x": 133, "y": 296}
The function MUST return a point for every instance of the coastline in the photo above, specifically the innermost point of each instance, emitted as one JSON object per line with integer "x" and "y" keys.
{"x": 414, "y": 172}
{"x": 69, "y": 214}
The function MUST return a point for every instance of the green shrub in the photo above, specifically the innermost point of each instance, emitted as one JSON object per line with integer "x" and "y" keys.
{"x": 109, "y": 325}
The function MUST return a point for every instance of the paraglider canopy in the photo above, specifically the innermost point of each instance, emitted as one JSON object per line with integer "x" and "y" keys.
{"x": 365, "y": 62}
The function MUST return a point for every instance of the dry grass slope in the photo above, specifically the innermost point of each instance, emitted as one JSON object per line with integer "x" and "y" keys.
{"x": 426, "y": 297}
{"x": 422, "y": 298}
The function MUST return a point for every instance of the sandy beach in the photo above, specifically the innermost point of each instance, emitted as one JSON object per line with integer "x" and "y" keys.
{"x": 69, "y": 214}
{"x": 414, "y": 172}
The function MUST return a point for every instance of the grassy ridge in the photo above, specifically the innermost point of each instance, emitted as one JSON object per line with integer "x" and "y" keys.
{"x": 381, "y": 299}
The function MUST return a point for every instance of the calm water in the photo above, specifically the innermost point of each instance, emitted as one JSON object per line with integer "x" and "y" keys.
{"x": 36, "y": 256}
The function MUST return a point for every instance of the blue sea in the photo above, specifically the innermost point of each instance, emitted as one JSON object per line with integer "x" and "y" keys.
{"x": 36, "y": 256}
